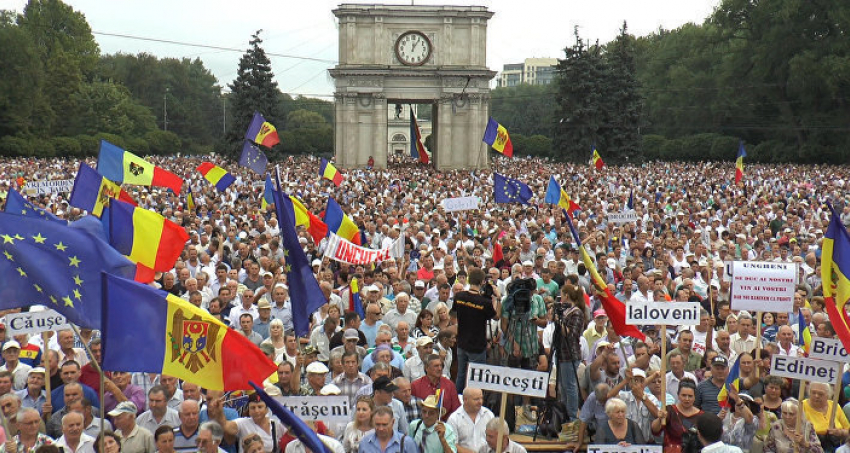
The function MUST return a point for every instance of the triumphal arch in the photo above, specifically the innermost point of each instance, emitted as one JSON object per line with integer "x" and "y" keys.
{"x": 393, "y": 55}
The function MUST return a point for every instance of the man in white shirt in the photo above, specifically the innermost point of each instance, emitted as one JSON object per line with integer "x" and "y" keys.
{"x": 470, "y": 421}
{"x": 414, "y": 367}
{"x": 643, "y": 294}
{"x": 742, "y": 341}
{"x": 494, "y": 428}
{"x": 677, "y": 373}
{"x": 785, "y": 337}
{"x": 73, "y": 439}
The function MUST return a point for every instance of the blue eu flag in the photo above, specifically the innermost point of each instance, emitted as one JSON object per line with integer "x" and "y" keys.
{"x": 509, "y": 190}
{"x": 56, "y": 266}
{"x": 304, "y": 291}
{"x": 253, "y": 158}
{"x": 15, "y": 204}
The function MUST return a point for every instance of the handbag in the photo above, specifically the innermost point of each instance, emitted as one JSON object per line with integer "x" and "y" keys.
{"x": 550, "y": 419}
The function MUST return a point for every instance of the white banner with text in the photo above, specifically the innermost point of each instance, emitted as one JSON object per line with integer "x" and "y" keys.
{"x": 671, "y": 313}
{"x": 763, "y": 286}
{"x": 507, "y": 380}
{"x": 329, "y": 409}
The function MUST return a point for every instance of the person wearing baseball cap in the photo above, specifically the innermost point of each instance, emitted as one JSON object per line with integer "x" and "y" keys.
{"x": 11, "y": 354}
{"x": 707, "y": 390}
{"x": 134, "y": 437}
{"x": 641, "y": 406}
{"x": 598, "y": 330}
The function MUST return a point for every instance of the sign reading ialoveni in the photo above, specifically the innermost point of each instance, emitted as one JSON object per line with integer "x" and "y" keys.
{"x": 672, "y": 313}
{"x": 812, "y": 370}
{"x": 35, "y": 322}
{"x": 329, "y": 409}
{"x": 763, "y": 286}
{"x": 507, "y": 380}
{"x": 629, "y": 449}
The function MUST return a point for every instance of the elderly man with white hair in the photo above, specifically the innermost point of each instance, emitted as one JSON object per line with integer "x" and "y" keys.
{"x": 495, "y": 427}
{"x": 400, "y": 312}
{"x": 73, "y": 439}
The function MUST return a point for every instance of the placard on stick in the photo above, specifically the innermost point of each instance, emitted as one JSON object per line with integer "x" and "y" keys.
{"x": 812, "y": 370}
{"x": 763, "y": 286}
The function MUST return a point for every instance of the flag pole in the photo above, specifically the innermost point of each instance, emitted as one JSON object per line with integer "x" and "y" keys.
{"x": 100, "y": 373}
{"x": 758, "y": 339}
{"x": 836, "y": 392}
{"x": 45, "y": 363}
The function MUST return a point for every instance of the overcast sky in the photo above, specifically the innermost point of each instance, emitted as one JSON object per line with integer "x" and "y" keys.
{"x": 307, "y": 28}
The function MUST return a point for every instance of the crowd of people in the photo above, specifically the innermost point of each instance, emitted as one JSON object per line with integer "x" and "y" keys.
{"x": 444, "y": 304}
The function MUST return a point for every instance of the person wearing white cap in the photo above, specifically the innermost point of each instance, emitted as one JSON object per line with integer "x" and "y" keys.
{"x": 316, "y": 373}
{"x": 134, "y": 438}
{"x": 34, "y": 395}
{"x": 414, "y": 367}
{"x": 20, "y": 372}
{"x": 641, "y": 406}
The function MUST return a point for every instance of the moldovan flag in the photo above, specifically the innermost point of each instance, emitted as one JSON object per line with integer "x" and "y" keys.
{"x": 615, "y": 309}
{"x": 835, "y": 269}
{"x": 497, "y": 136}
{"x": 122, "y": 166}
{"x": 148, "y": 239}
{"x": 732, "y": 380}
{"x": 176, "y": 338}
{"x": 338, "y": 222}
{"x": 329, "y": 172}
{"x": 555, "y": 195}
{"x": 417, "y": 150}
{"x": 93, "y": 192}
{"x": 190, "y": 200}
{"x": 262, "y": 132}
{"x": 739, "y": 163}
{"x": 596, "y": 159}
{"x": 216, "y": 175}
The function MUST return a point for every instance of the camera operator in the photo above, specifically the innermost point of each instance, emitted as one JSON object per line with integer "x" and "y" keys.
{"x": 523, "y": 311}
{"x": 474, "y": 308}
{"x": 568, "y": 318}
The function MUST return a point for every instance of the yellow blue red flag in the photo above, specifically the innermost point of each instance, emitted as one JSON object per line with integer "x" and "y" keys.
{"x": 835, "y": 269}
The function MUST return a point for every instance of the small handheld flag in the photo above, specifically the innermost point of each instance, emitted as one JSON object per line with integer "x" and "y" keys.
{"x": 329, "y": 172}
{"x": 597, "y": 159}
{"x": 631, "y": 202}
{"x": 739, "y": 163}
{"x": 262, "y": 132}
{"x": 497, "y": 137}
{"x": 216, "y": 175}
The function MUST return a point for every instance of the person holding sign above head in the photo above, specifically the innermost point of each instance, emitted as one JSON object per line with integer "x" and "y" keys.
{"x": 817, "y": 410}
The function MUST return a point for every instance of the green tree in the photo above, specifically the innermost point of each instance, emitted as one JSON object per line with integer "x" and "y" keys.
{"x": 305, "y": 119}
{"x": 524, "y": 109}
{"x": 21, "y": 80}
{"x": 254, "y": 89}
{"x": 108, "y": 107}
{"x": 624, "y": 142}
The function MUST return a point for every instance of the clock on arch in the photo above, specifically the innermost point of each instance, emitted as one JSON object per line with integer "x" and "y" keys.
{"x": 413, "y": 48}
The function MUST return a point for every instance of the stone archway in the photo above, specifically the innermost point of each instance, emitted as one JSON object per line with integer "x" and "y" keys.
{"x": 412, "y": 54}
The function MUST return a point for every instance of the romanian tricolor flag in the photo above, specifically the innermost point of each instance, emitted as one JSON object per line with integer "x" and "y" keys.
{"x": 497, "y": 136}
{"x": 148, "y": 239}
{"x": 340, "y": 224}
{"x": 739, "y": 163}
{"x": 93, "y": 192}
{"x": 732, "y": 380}
{"x": 216, "y": 175}
{"x": 556, "y": 195}
{"x": 268, "y": 193}
{"x": 354, "y": 302}
{"x": 835, "y": 269}
{"x": 308, "y": 220}
{"x": 177, "y": 339}
{"x": 329, "y": 172}
{"x": 596, "y": 159}
{"x": 615, "y": 309}
{"x": 262, "y": 132}
{"x": 124, "y": 167}
{"x": 804, "y": 335}
{"x": 417, "y": 149}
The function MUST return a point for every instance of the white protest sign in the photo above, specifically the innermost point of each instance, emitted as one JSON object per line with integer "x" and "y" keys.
{"x": 329, "y": 409}
{"x": 763, "y": 286}
{"x": 828, "y": 349}
{"x": 35, "y": 322}
{"x": 629, "y": 449}
{"x": 48, "y": 187}
{"x": 671, "y": 313}
{"x": 460, "y": 204}
{"x": 812, "y": 370}
{"x": 620, "y": 218}
{"x": 507, "y": 380}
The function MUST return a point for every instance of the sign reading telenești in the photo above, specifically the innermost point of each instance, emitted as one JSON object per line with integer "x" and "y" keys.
{"x": 811, "y": 370}
{"x": 828, "y": 349}
{"x": 672, "y": 313}
{"x": 507, "y": 380}
{"x": 620, "y": 449}
{"x": 763, "y": 286}
{"x": 329, "y": 409}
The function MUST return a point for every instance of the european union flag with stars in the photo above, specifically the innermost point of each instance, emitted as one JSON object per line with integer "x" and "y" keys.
{"x": 253, "y": 158}
{"x": 15, "y": 204}
{"x": 509, "y": 190}
{"x": 56, "y": 266}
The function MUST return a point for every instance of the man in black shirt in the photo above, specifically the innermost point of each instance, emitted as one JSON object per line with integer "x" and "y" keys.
{"x": 474, "y": 309}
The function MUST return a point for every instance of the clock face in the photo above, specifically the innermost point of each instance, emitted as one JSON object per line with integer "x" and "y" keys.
{"x": 413, "y": 48}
